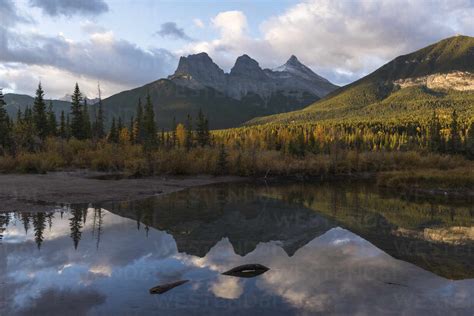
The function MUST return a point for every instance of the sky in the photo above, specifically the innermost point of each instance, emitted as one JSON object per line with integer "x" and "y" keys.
{"x": 127, "y": 43}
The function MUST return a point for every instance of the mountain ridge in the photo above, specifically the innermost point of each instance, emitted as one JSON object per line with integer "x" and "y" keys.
{"x": 379, "y": 95}
{"x": 247, "y": 77}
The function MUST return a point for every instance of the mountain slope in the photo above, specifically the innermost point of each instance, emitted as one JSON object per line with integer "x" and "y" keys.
{"x": 227, "y": 99}
{"x": 171, "y": 100}
{"x": 21, "y": 101}
{"x": 437, "y": 76}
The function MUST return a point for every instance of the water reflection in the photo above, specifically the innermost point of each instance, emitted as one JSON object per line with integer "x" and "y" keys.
{"x": 328, "y": 250}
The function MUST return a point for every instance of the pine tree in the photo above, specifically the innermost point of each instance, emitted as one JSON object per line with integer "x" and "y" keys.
{"x": 132, "y": 124}
{"x": 62, "y": 126}
{"x": 5, "y": 126}
{"x": 39, "y": 114}
{"x": 138, "y": 131}
{"x": 86, "y": 122}
{"x": 75, "y": 224}
{"x": 470, "y": 141}
{"x": 52, "y": 124}
{"x": 99, "y": 123}
{"x": 188, "y": 143}
{"x": 119, "y": 125}
{"x": 222, "y": 161}
{"x": 202, "y": 130}
{"x": 113, "y": 133}
{"x": 68, "y": 126}
{"x": 435, "y": 134}
{"x": 77, "y": 119}
{"x": 39, "y": 225}
{"x": 173, "y": 131}
{"x": 455, "y": 139}
{"x": 149, "y": 125}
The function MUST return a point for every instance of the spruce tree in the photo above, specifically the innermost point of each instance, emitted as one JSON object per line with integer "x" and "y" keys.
{"x": 188, "y": 141}
{"x": 39, "y": 114}
{"x": 202, "y": 130}
{"x": 149, "y": 125}
{"x": 62, "y": 126}
{"x": 138, "y": 131}
{"x": 77, "y": 119}
{"x": 173, "y": 132}
{"x": 86, "y": 121}
{"x": 99, "y": 125}
{"x": 119, "y": 125}
{"x": 5, "y": 126}
{"x": 131, "y": 128}
{"x": 52, "y": 123}
{"x": 113, "y": 133}
{"x": 435, "y": 134}
{"x": 68, "y": 126}
{"x": 470, "y": 141}
{"x": 455, "y": 139}
{"x": 222, "y": 161}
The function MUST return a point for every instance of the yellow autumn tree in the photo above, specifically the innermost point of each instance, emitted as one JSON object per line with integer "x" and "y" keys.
{"x": 180, "y": 134}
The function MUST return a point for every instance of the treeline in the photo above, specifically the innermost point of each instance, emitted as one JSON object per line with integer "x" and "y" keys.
{"x": 452, "y": 137}
{"x": 41, "y": 222}
{"x": 29, "y": 131}
{"x": 37, "y": 141}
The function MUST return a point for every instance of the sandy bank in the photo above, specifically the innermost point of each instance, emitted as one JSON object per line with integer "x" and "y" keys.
{"x": 36, "y": 192}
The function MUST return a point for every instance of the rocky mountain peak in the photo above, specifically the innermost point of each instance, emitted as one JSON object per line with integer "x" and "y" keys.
{"x": 247, "y": 77}
{"x": 293, "y": 61}
{"x": 248, "y": 67}
{"x": 197, "y": 64}
{"x": 198, "y": 71}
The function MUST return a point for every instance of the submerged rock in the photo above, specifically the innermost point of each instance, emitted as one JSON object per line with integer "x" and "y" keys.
{"x": 160, "y": 289}
{"x": 247, "y": 271}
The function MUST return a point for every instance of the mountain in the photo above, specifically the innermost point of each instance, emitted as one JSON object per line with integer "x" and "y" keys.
{"x": 247, "y": 77}
{"x": 68, "y": 98}
{"x": 228, "y": 99}
{"x": 439, "y": 76}
{"x": 21, "y": 101}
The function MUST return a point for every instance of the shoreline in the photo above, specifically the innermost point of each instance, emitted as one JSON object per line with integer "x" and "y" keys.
{"x": 38, "y": 192}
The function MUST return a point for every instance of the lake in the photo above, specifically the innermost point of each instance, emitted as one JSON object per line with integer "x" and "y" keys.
{"x": 331, "y": 249}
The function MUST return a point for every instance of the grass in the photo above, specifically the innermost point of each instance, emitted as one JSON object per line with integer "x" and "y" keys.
{"x": 429, "y": 179}
{"x": 394, "y": 169}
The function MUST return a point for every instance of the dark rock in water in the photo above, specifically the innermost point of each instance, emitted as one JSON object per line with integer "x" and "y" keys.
{"x": 160, "y": 289}
{"x": 247, "y": 270}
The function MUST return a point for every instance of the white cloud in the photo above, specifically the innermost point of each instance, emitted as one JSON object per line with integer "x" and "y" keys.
{"x": 91, "y": 27}
{"x": 228, "y": 288}
{"x": 103, "y": 57}
{"x": 24, "y": 79}
{"x": 231, "y": 24}
{"x": 342, "y": 40}
{"x": 199, "y": 23}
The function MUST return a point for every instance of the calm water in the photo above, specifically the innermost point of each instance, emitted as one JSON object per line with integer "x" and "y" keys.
{"x": 330, "y": 249}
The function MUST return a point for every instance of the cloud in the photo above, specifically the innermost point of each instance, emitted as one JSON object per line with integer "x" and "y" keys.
{"x": 54, "y": 301}
{"x": 90, "y": 27}
{"x": 341, "y": 40}
{"x": 9, "y": 14}
{"x": 71, "y": 7}
{"x": 171, "y": 29}
{"x": 199, "y": 23}
{"x": 103, "y": 57}
{"x": 231, "y": 24}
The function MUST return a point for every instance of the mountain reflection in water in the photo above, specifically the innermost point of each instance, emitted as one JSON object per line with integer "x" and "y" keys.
{"x": 330, "y": 249}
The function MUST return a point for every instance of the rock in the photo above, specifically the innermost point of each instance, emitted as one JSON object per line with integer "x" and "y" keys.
{"x": 247, "y": 270}
{"x": 456, "y": 80}
{"x": 160, "y": 289}
{"x": 247, "y": 78}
